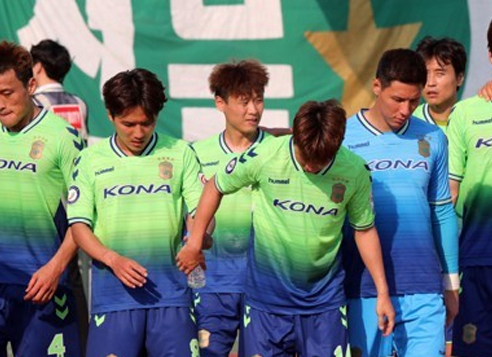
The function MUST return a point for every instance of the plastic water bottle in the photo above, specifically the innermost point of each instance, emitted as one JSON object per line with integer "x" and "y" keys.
{"x": 196, "y": 279}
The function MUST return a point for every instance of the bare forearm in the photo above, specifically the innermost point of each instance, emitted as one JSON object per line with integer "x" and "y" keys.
{"x": 208, "y": 205}
{"x": 90, "y": 244}
{"x": 370, "y": 250}
{"x": 66, "y": 251}
{"x": 454, "y": 187}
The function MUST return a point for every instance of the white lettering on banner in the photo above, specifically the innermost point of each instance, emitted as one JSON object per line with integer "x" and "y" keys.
{"x": 192, "y": 20}
{"x": 211, "y": 121}
{"x": 67, "y": 26}
{"x": 191, "y": 81}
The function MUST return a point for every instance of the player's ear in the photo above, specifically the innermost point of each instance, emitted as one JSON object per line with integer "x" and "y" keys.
{"x": 377, "y": 87}
{"x": 459, "y": 79}
{"x": 31, "y": 86}
{"x": 110, "y": 116}
{"x": 220, "y": 103}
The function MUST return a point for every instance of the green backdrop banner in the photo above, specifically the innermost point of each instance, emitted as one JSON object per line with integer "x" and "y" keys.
{"x": 314, "y": 49}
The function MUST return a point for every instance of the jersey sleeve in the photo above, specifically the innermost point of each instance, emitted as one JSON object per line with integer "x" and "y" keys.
{"x": 70, "y": 146}
{"x": 360, "y": 206}
{"x": 81, "y": 205}
{"x": 240, "y": 171}
{"x": 192, "y": 186}
{"x": 438, "y": 192}
{"x": 457, "y": 146}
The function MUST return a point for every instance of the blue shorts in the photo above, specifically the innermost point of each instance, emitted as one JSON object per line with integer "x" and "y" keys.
{"x": 218, "y": 317}
{"x": 472, "y": 334}
{"x": 267, "y": 334}
{"x": 165, "y": 331}
{"x": 419, "y": 326}
{"x": 38, "y": 330}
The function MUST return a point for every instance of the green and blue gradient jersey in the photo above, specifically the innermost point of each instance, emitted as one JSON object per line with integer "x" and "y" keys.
{"x": 294, "y": 261}
{"x": 410, "y": 173}
{"x": 422, "y": 112}
{"x": 470, "y": 163}
{"x": 134, "y": 204}
{"x": 226, "y": 260}
{"x": 35, "y": 168}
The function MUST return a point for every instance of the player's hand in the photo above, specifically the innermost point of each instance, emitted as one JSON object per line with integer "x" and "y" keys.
{"x": 452, "y": 302}
{"x": 127, "y": 270}
{"x": 189, "y": 258}
{"x": 486, "y": 91}
{"x": 43, "y": 283}
{"x": 386, "y": 314}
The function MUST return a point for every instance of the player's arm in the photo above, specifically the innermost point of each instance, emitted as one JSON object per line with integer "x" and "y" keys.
{"x": 444, "y": 226}
{"x": 191, "y": 254}
{"x": 127, "y": 270}
{"x": 454, "y": 187}
{"x": 370, "y": 251}
{"x": 486, "y": 91}
{"x": 44, "y": 281}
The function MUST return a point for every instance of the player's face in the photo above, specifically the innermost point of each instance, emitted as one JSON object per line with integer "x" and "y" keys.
{"x": 442, "y": 83}
{"x": 396, "y": 102}
{"x": 16, "y": 105}
{"x": 243, "y": 113}
{"x": 133, "y": 130}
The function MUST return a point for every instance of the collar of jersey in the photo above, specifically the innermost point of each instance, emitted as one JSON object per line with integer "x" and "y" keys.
{"x": 50, "y": 87}
{"x": 366, "y": 124}
{"x": 42, "y": 113}
{"x": 298, "y": 167}
{"x": 146, "y": 151}
{"x": 227, "y": 149}
{"x": 427, "y": 114}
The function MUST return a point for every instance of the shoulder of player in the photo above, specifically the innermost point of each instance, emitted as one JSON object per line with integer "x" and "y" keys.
{"x": 467, "y": 109}
{"x": 419, "y": 112}
{"x": 57, "y": 125}
{"x": 169, "y": 144}
{"x": 205, "y": 144}
{"x": 349, "y": 159}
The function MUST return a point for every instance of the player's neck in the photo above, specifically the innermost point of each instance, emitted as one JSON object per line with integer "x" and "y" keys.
{"x": 375, "y": 118}
{"x": 442, "y": 111}
{"x": 33, "y": 113}
{"x": 237, "y": 141}
{"x": 42, "y": 80}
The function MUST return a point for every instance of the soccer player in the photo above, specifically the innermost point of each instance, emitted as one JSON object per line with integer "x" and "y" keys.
{"x": 445, "y": 60}
{"x": 470, "y": 170}
{"x": 52, "y": 62}
{"x": 304, "y": 186}
{"x": 37, "y": 151}
{"x": 238, "y": 88}
{"x": 126, "y": 211}
{"x": 414, "y": 215}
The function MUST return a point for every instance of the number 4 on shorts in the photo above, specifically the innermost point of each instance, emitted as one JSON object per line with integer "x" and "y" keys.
{"x": 57, "y": 347}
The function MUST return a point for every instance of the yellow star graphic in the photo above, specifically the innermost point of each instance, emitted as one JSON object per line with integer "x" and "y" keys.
{"x": 353, "y": 54}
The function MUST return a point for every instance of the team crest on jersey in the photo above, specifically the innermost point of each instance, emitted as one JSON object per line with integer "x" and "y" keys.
{"x": 166, "y": 170}
{"x": 230, "y": 166}
{"x": 469, "y": 333}
{"x": 424, "y": 148}
{"x": 203, "y": 338}
{"x": 112, "y": 355}
{"x": 338, "y": 192}
{"x": 73, "y": 194}
{"x": 37, "y": 148}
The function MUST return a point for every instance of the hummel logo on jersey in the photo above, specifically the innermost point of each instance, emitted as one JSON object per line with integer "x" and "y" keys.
{"x": 289, "y": 205}
{"x": 360, "y": 145}
{"x": 479, "y": 122}
{"x": 213, "y": 163}
{"x": 103, "y": 171}
{"x": 386, "y": 164}
{"x": 125, "y": 190}
{"x": 279, "y": 181}
{"x": 17, "y": 165}
{"x": 483, "y": 142}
